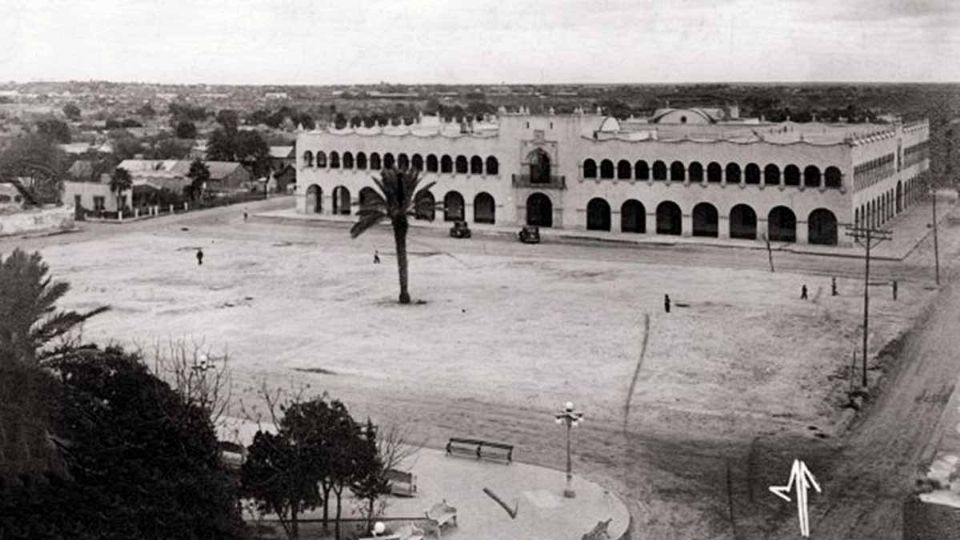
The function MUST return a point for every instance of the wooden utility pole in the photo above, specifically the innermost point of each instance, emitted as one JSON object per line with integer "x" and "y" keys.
{"x": 936, "y": 250}
{"x": 868, "y": 238}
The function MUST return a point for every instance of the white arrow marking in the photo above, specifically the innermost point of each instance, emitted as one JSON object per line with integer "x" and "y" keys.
{"x": 802, "y": 479}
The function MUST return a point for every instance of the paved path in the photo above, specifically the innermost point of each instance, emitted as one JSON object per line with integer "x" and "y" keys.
{"x": 535, "y": 493}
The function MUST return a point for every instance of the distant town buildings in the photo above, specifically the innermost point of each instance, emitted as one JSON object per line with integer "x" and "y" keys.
{"x": 680, "y": 172}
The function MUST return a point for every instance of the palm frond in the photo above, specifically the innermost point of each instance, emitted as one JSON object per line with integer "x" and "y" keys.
{"x": 374, "y": 201}
{"x": 367, "y": 220}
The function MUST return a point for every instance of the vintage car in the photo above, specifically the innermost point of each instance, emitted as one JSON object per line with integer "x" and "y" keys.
{"x": 460, "y": 230}
{"x": 529, "y": 235}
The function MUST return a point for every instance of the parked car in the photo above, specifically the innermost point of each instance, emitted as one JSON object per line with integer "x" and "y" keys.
{"x": 529, "y": 234}
{"x": 460, "y": 230}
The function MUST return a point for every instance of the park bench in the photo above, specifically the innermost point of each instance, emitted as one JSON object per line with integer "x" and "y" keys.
{"x": 480, "y": 449}
{"x": 402, "y": 484}
{"x": 439, "y": 515}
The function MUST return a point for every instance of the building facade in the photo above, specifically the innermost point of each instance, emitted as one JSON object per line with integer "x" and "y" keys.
{"x": 686, "y": 172}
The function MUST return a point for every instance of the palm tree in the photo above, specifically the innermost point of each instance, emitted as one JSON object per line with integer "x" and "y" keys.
{"x": 397, "y": 199}
{"x": 120, "y": 182}
{"x": 29, "y": 318}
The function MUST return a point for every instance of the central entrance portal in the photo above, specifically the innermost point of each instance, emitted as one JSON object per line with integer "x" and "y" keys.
{"x": 539, "y": 210}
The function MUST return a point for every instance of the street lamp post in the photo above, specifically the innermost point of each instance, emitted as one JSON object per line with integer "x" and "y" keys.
{"x": 570, "y": 418}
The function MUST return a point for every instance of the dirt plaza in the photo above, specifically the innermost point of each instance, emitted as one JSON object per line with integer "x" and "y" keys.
{"x": 505, "y": 334}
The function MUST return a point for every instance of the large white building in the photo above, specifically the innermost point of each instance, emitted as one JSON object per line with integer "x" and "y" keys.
{"x": 689, "y": 172}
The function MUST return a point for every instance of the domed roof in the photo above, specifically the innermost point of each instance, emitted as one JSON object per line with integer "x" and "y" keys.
{"x": 609, "y": 125}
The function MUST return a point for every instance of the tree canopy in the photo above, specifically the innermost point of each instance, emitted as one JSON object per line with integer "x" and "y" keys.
{"x": 186, "y": 130}
{"x": 141, "y": 463}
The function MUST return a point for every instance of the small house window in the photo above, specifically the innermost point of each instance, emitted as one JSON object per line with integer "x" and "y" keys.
{"x": 683, "y": 119}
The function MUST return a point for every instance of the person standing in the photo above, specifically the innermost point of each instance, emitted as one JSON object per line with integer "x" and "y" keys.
{"x": 803, "y": 292}
{"x": 199, "y": 256}
{"x": 244, "y": 215}
{"x": 376, "y": 256}
{"x": 833, "y": 286}
{"x": 666, "y": 303}
{"x": 894, "y": 289}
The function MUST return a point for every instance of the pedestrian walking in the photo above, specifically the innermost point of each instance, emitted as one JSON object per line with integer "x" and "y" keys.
{"x": 894, "y": 289}
{"x": 199, "y": 256}
{"x": 244, "y": 214}
{"x": 666, "y": 303}
{"x": 376, "y": 256}
{"x": 803, "y": 292}
{"x": 833, "y": 286}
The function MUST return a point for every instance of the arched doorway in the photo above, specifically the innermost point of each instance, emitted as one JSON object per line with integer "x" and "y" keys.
{"x": 453, "y": 207}
{"x": 706, "y": 220}
{"x": 633, "y": 217}
{"x": 743, "y": 222}
{"x": 598, "y": 215}
{"x": 669, "y": 218}
{"x": 366, "y": 196}
{"x": 539, "y": 210}
{"x": 314, "y": 199}
{"x": 426, "y": 206}
{"x": 484, "y": 209}
{"x": 782, "y": 225}
{"x": 822, "y": 227}
{"x": 539, "y": 166}
{"x": 341, "y": 201}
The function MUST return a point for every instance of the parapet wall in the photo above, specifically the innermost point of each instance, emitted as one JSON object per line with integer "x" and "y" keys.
{"x": 38, "y": 220}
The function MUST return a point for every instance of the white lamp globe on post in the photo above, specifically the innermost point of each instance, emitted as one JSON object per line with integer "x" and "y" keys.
{"x": 570, "y": 417}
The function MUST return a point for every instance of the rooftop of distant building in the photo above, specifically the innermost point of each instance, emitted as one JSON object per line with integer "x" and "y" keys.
{"x": 695, "y": 124}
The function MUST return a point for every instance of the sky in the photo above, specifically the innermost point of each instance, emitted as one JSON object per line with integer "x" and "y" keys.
{"x": 480, "y": 41}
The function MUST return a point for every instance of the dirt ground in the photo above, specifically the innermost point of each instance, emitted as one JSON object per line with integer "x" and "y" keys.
{"x": 739, "y": 377}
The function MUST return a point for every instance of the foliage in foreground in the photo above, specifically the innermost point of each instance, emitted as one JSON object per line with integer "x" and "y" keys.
{"x": 29, "y": 318}
{"x": 141, "y": 463}
{"x": 317, "y": 452}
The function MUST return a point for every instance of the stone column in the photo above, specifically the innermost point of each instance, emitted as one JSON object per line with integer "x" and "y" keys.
{"x": 762, "y": 229}
{"x": 723, "y": 227}
{"x": 686, "y": 224}
{"x": 802, "y": 230}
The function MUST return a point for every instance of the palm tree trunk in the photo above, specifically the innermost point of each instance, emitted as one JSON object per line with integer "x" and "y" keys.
{"x": 400, "y": 227}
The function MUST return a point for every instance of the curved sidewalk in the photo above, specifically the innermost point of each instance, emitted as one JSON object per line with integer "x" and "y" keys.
{"x": 536, "y": 493}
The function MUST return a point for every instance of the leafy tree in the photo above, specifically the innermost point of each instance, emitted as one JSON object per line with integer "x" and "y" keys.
{"x": 147, "y": 111}
{"x": 54, "y": 130}
{"x": 29, "y": 318}
{"x": 186, "y": 130}
{"x": 38, "y": 160}
{"x": 125, "y": 145}
{"x": 228, "y": 118}
{"x": 185, "y": 111}
{"x": 169, "y": 148}
{"x": 398, "y": 198}
{"x": 282, "y": 478}
{"x": 120, "y": 181}
{"x": 317, "y": 443}
{"x": 251, "y": 149}
{"x": 199, "y": 174}
{"x": 369, "y": 479}
{"x": 221, "y": 146}
{"x": 141, "y": 462}
{"x": 71, "y": 111}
